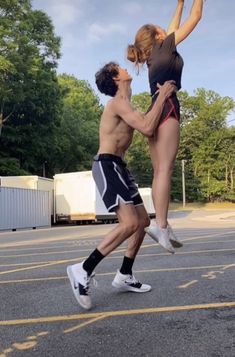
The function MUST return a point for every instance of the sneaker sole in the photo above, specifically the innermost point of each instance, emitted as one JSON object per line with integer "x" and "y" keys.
{"x": 75, "y": 291}
{"x": 130, "y": 288}
{"x": 156, "y": 240}
{"x": 176, "y": 244}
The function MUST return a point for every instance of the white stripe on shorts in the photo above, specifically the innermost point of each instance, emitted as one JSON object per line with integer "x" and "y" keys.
{"x": 105, "y": 182}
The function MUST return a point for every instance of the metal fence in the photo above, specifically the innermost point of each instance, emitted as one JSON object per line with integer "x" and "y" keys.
{"x": 24, "y": 208}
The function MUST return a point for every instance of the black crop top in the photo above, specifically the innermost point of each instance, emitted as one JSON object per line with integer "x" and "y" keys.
{"x": 164, "y": 63}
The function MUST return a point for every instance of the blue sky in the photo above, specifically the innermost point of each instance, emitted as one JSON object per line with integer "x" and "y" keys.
{"x": 94, "y": 32}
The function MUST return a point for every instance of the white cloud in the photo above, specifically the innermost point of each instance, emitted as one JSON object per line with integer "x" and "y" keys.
{"x": 64, "y": 12}
{"x": 97, "y": 32}
{"x": 132, "y": 8}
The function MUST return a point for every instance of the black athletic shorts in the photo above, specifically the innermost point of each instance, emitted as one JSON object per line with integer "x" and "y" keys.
{"x": 171, "y": 108}
{"x": 114, "y": 181}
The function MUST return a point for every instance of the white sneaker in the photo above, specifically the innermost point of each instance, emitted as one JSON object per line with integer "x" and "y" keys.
{"x": 80, "y": 283}
{"x": 161, "y": 236}
{"x": 128, "y": 282}
{"x": 173, "y": 239}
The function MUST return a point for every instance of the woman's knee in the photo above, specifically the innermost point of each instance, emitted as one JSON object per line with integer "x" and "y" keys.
{"x": 166, "y": 169}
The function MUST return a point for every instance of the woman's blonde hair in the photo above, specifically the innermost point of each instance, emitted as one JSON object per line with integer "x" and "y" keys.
{"x": 140, "y": 51}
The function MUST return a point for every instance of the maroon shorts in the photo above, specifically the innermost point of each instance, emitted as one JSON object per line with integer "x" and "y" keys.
{"x": 171, "y": 108}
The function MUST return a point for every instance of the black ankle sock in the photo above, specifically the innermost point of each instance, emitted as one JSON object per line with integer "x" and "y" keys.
{"x": 93, "y": 260}
{"x": 127, "y": 265}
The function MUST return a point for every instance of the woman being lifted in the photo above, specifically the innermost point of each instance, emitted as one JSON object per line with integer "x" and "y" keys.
{"x": 157, "y": 48}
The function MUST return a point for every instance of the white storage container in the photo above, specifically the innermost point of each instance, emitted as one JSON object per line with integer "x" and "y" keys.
{"x": 31, "y": 182}
{"x": 23, "y": 208}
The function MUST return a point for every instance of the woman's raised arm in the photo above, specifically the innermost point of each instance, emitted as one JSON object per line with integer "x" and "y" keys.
{"x": 175, "y": 22}
{"x": 191, "y": 22}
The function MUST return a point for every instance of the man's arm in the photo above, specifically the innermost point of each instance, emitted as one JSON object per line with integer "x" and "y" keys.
{"x": 175, "y": 22}
{"x": 146, "y": 124}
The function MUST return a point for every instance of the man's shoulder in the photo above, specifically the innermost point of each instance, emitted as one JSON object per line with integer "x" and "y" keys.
{"x": 110, "y": 106}
{"x": 111, "y": 110}
{"x": 120, "y": 105}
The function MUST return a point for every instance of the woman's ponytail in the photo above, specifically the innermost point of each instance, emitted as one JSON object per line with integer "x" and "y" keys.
{"x": 132, "y": 53}
{"x": 145, "y": 39}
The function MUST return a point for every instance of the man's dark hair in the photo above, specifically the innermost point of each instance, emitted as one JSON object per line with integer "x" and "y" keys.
{"x": 104, "y": 79}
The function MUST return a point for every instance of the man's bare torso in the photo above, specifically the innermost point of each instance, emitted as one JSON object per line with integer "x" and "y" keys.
{"x": 115, "y": 134}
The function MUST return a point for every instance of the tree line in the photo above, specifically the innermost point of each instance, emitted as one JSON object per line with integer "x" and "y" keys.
{"x": 49, "y": 123}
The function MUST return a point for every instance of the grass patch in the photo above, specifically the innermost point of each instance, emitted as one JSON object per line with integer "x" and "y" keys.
{"x": 200, "y": 205}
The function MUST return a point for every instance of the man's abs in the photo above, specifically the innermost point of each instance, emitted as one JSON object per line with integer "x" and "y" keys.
{"x": 115, "y": 144}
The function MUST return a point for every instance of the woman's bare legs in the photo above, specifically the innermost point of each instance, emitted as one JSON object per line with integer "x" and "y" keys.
{"x": 163, "y": 150}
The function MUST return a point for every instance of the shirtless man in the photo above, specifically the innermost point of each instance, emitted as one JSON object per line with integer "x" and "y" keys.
{"x": 115, "y": 183}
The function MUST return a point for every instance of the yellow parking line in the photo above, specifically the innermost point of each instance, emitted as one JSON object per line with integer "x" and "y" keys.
{"x": 93, "y": 315}
{"x": 223, "y": 267}
{"x": 58, "y": 262}
{"x": 39, "y": 266}
{"x": 210, "y": 242}
{"x": 36, "y": 248}
{"x": 93, "y": 234}
{"x": 184, "y": 286}
{"x": 229, "y": 266}
{"x": 144, "y": 246}
{"x": 32, "y": 280}
{"x": 46, "y": 240}
{"x": 208, "y": 236}
{"x": 47, "y": 253}
{"x": 22, "y": 264}
{"x": 177, "y": 253}
{"x": 77, "y": 327}
{"x": 113, "y": 273}
{"x": 89, "y": 249}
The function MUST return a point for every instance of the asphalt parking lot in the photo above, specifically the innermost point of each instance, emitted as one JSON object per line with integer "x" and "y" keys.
{"x": 189, "y": 312}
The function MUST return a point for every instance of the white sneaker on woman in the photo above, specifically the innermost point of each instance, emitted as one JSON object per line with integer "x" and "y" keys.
{"x": 173, "y": 239}
{"x": 161, "y": 236}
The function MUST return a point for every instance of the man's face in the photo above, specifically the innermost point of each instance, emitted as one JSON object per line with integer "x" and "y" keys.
{"x": 123, "y": 74}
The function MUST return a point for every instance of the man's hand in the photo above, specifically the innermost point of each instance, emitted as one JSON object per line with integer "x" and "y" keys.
{"x": 180, "y": 1}
{"x": 166, "y": 89}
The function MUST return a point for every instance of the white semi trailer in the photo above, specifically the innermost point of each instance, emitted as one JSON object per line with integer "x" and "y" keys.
{"x": 76, "y": 198}
{"x": 146, "y": 194}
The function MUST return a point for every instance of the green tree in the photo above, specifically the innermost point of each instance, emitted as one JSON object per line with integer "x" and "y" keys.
{"x": 77, "y": 136}
{"x": 29, "y": 92}
{"x": 203, "y": 139}
{"x": 138, "y": 157}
